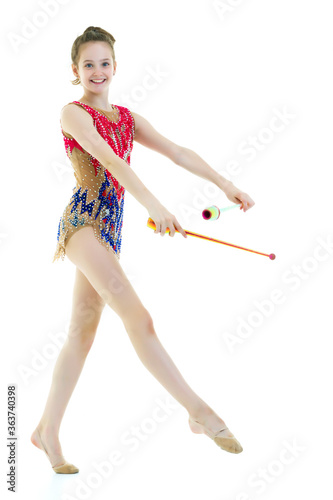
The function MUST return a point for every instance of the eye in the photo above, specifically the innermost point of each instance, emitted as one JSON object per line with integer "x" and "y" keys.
{"x": 89, "y": 64}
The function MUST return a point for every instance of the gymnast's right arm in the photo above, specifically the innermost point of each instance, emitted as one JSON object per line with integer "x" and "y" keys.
{"x": 79, "y": 124}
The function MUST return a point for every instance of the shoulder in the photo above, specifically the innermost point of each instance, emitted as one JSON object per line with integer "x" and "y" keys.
{"x": 139, "y": 120}
{"x": 73, "y": 109}
{"x": 148, "y": 136}
{"x": 73, "y": 115}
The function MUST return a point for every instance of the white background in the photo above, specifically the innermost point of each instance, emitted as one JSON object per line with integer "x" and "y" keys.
{"x": 227, "y": 67}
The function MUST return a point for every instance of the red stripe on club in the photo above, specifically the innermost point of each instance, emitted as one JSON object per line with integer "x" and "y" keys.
{"x": 152, "y": 225}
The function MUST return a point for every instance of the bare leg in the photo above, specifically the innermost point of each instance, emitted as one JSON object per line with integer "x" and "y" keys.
{"x": 86, "y": 312}
{"x": 103, "y": 270}
{"x": 100, "y": 279}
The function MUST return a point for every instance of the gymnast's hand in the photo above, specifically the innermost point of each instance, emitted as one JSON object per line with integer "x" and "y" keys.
{"x": 163, "y": 219}
{"x": 237, "y": 196}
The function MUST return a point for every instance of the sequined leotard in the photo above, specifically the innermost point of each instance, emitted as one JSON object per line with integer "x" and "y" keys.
{"x": 98, "y": 198}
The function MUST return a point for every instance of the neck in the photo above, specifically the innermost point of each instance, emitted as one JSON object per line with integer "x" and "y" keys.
{"x": 96, "y": 103}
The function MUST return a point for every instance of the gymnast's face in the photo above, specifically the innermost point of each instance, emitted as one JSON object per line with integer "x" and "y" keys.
{"x": 95, "y": 63}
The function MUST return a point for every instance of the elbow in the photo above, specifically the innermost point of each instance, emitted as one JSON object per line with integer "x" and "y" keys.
{"x": 179, "y": 156}
{"x": 110, "y": 162}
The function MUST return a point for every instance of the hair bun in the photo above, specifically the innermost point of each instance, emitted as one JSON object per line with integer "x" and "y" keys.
{"x": 91, "y": 28}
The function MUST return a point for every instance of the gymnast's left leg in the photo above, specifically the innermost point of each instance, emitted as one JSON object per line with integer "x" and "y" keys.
{"x": 104, "y": 272}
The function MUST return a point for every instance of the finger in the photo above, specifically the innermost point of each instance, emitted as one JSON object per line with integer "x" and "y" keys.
{"x": 180, "y": 229}
{"x": 163, "y": 228}
{"x": 238, "y": 200}
{"x": 171, "y": 229}
{"x": 157, "y": 230}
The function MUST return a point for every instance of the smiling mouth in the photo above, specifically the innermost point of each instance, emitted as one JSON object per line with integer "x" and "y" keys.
{"x": 98, "y": 82}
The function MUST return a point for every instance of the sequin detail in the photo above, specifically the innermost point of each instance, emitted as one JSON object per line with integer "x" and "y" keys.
{"x": 98, "y": 198}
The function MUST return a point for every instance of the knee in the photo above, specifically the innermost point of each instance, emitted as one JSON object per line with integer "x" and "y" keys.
{"x": 142, "y": 322}
{"x": 82, "y": 340}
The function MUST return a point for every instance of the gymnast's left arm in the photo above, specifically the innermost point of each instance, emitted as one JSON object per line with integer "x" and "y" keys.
{"x": 196, "y": 165}
{"x": 148, "y": 136}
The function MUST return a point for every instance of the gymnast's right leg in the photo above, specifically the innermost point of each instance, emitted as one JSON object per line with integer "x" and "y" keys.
{"x": 103, "y": 270}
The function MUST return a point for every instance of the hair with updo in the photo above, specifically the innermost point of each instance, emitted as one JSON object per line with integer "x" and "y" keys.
{"x": 91, "y": 34}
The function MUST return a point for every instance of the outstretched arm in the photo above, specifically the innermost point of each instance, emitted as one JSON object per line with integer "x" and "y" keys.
{"x": 79, "y": 124}
{"x": 148, "y": 136}
{"x": 194, "y": 163}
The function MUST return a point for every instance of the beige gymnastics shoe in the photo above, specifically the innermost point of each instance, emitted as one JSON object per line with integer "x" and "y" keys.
{"x": 65, "y": 468}
{"x": 227, "y": 443}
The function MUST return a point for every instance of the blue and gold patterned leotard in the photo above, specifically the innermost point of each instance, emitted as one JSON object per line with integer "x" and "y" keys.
{"x": 98, "y": 198}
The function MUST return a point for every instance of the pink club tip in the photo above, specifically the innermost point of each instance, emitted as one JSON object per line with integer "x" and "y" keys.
{"x": 272, "y": 256}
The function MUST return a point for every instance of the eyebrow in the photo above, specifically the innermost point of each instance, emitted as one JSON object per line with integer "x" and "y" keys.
{"x": 90, "y": 60}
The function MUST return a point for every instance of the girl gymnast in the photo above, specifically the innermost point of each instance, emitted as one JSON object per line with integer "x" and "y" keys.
{"x": 98, "y": 138}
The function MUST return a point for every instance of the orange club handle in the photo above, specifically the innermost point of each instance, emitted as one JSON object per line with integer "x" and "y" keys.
{"x": 152, "y": 225}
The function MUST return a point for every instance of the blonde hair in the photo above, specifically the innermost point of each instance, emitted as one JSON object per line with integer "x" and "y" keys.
{"x": 91, "y": 34}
